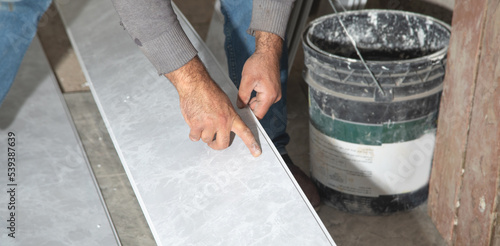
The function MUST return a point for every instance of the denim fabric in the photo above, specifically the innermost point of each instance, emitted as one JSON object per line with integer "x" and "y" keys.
{"x": 239, "y": 46}
{"x": 18, "y": 24}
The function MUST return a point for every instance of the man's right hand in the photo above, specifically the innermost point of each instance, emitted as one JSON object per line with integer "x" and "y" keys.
{"x": 207, "y": 109}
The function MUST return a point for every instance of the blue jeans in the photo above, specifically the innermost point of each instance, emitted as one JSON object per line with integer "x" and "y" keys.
{"x": 239, "y": 46}
{"x": 18, "y": 24}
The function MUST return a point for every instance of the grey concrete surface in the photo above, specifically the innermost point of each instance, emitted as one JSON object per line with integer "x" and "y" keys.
{"x": 408, "y": 228}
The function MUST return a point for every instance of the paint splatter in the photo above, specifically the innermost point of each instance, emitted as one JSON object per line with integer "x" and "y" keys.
{"x": 482, "y": 204}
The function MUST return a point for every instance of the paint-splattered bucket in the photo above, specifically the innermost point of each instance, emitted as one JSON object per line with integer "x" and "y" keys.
{"x": 371, "y": 151}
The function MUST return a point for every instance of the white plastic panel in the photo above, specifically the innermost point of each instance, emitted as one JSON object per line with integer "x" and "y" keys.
{"x": 189, "y": 193}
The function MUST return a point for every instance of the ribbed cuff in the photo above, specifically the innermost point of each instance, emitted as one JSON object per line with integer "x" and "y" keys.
{"x": 169, "y": 51}
{"x": 270, "y": 16}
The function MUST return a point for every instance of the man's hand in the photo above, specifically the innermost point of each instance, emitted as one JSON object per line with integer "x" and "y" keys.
{"x": 207, "y": 109}
{"x": 261, "y": 73}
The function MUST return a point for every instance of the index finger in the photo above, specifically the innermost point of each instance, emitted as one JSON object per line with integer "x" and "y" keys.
{"x": 241, "y": 129}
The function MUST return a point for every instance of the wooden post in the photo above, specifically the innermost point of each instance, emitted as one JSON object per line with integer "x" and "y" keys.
{"x": 464, "y": 186}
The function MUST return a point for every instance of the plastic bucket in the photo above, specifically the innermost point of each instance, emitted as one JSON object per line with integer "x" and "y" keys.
{"x": 371, "y": 152}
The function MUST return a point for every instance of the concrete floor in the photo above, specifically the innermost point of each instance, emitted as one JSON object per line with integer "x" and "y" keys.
{"x": 405, "y": 228}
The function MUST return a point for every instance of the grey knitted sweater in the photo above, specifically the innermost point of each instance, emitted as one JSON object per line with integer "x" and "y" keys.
{"x": 154, "y": 27}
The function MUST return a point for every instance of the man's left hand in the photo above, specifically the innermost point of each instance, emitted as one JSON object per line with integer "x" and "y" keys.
{"x": 261, "y": 73}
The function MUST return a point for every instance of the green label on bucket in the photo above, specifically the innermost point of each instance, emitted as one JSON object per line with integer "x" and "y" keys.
{"x": 368, "y": 170}
{"x": 370, "y": 134}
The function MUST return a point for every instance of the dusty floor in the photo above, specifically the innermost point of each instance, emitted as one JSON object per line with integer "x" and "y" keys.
{"x": 406, "y": 228}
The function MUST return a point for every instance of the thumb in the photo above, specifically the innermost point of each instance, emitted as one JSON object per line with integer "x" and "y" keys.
{"x": 245, "y": 91}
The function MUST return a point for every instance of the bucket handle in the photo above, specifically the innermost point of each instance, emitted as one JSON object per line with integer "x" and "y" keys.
{"x": 353, "y": 42}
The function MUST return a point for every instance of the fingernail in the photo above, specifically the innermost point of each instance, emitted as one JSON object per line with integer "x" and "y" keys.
{"x": 256, "y": 151}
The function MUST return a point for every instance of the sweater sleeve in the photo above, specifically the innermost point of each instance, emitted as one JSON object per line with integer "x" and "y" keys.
{"x": 270, "y": 16}
{"x": 154, "y": 27}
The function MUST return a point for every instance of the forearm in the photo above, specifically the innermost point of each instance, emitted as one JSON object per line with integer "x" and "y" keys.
{"x": 269, "y": 44}
{"x": 154, "y": 27}
{"x": 193, "y": 74}
{"x": 190, "y": 77}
